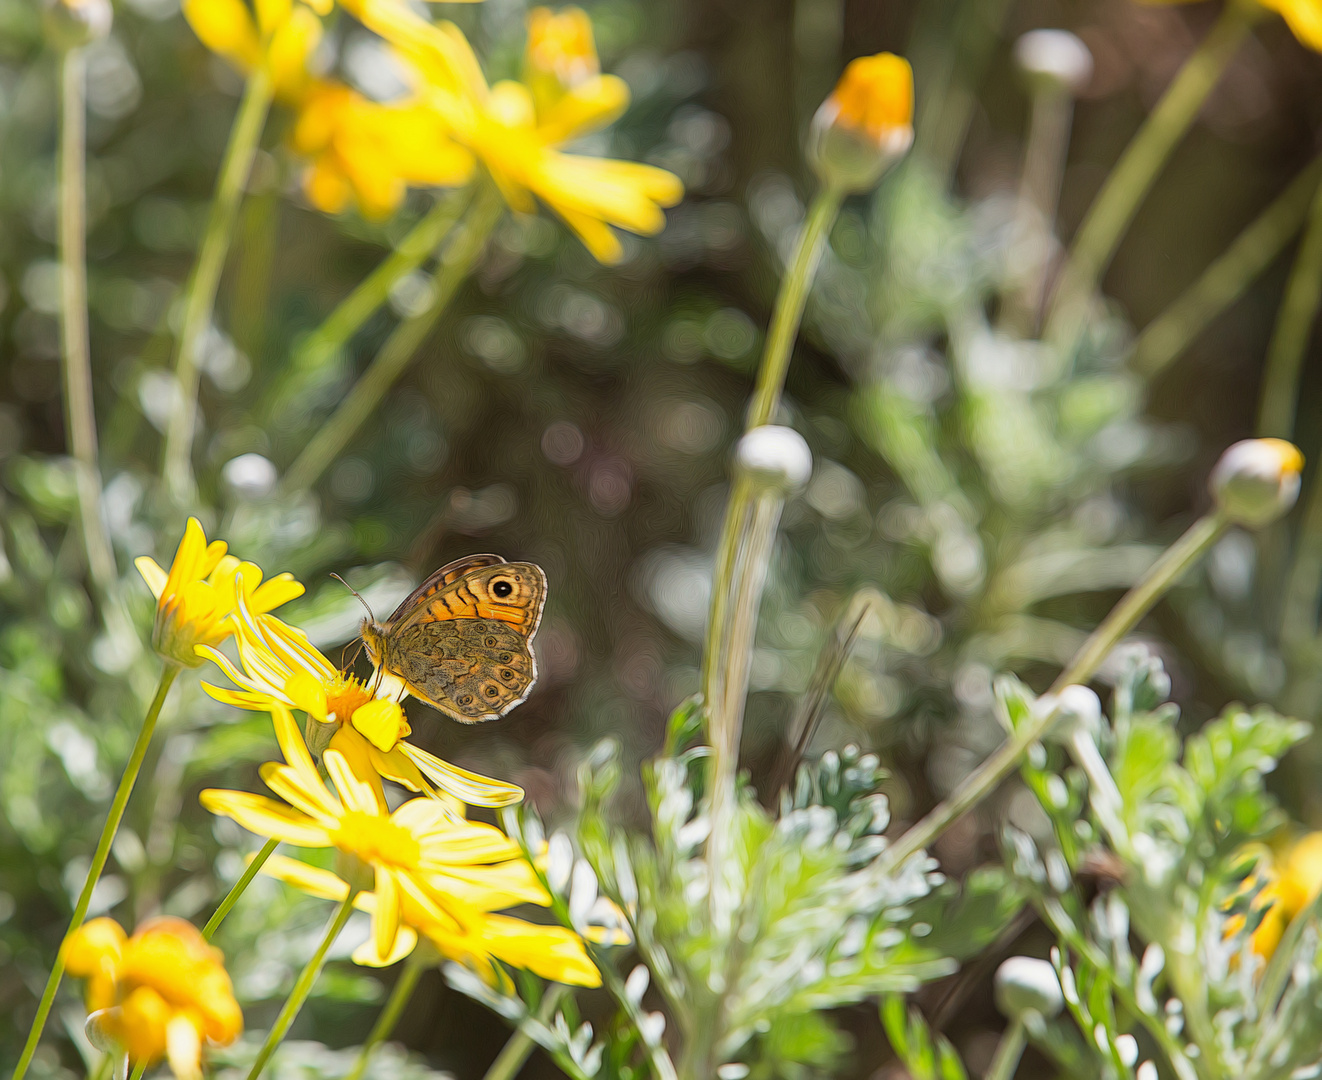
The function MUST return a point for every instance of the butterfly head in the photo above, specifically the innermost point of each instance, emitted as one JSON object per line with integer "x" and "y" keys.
{"x": 374, "y": 639}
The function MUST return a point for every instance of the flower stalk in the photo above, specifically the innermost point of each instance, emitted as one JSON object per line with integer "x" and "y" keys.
{"x": 373, "y": 291}
{"x": 1221, "y": 284}
{"x": 99, "y": 857}
{"x": 418, "y": 962}
{"x": 200, "y": 295}
{"x": 452, "y": 270}
{"x": 1129, "y": 182}
{"x": 303, "y": 987}
{"x": 80, "y": 416}
{"x": 516, "y": 1050}
{"x": 255, "y": 864}
{"x": 1294, "y": 324}
{"x": 1164, "y": 573}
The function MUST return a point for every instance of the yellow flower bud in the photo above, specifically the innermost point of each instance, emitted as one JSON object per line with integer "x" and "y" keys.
{"x": 866, "y": 125}
{"x": 1257, "y": 481}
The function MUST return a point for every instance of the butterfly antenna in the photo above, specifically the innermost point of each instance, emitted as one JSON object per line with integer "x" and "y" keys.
{"x": 357, "y": 594}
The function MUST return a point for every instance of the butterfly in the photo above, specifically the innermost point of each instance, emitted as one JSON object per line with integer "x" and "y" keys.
{"x": 462, "y": 640}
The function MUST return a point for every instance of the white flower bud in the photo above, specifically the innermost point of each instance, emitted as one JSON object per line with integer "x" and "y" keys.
{"x": 1025, "y": 985}
{"x": 100, "y": 1031}
{"x": 1257, "y": 481}
{"x": 250, "y": 475}
{"x": 1078, "y": 709}
{"x": 775, "y": 457}
{"x": 1055, "y": 56}
{"x": 70, "y": 23}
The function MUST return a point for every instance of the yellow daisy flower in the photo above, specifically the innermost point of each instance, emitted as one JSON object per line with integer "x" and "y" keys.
{"x": 424, "y": 858}
{"x": 162, "y": 993}
{"x": 1288, "y": 883}
{"x": 195, "y": 600}
{"x": 282, "y": 669}
{"x": 283, "y": 36}
{"x": 516, "y": 129}
{"x": 371, "y": 152}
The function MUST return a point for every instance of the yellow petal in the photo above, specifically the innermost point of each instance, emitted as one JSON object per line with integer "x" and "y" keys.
{"x": 385, "y": 922}
{"x": 355, "y": 794}
{"x": 183, "y": 1047}
{"x": 587, "y": 107}
{"x": 310, "y": 879}
{"x": 264, "y": 816}
{"x": 470, "y": 787}
{"x": 381, "y": 723}
{"x": 288, "y": 784}
{"x": 152, "y": 574}
{"x": 282, "y": 588}
{"x": 406, "y": 941}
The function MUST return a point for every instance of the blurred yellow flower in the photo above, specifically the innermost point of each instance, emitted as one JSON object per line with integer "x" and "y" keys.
{"x": 372, "y": 152}
{"x": 196, "y": 600}
{"x": 427, "y": 862}
{"x": 282, "y": 669}
{"x": 865, "y": 124}
{"x": 516, "y": 128}
{"x": 1303, "y": 17}
{"x": 163, "y": 992}
{"x": 283, "y": 36}
{"x": 1288, "y": 884}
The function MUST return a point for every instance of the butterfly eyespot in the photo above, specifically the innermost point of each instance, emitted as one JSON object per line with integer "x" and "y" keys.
{"x": 507, "y": 674}
{"x": 492, "y": 691}
{"x": 489, "y": 642}
{"x": 502, "y": 588}
{"x": 466, "y": 699}
{"x": 505, "y": 657}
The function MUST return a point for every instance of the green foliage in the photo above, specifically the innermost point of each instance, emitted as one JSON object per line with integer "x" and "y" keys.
{"x": 926, "y": 1057}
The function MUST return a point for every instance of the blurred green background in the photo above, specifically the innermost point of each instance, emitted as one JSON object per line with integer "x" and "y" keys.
{"x": 582, "y": 416}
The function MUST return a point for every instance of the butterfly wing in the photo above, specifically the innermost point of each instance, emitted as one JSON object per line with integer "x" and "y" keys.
{"x": 446, "y": 575}
{"x": 465, "y": 649}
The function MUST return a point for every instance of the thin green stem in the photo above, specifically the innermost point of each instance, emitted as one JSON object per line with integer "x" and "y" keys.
{"x": 99, "y": 858}
{"x": 1136, "y": 603}
{"x": 388, "y": 365}
{"x": 373, "y": 291}
{"x": 417, "y": 963}
{"x": 1294, "y": 326}
{"x": 139, "y": 1069}
{"x": 1008, "y": 1052}
{"x": 1221, "y": 284}
{"x": 516, "y": 1050}
{"x": 1129, "y": 182}
{"x": 790, "y": 302}
{"x": 79, "y": 413}
{"x": 245, "y": 879}
{"x": 303, "y": 987}
{"x": 200, "y": 295}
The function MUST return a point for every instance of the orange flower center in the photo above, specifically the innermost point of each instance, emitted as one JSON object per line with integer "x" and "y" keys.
{"x": 344, "y": 700}
{"x": 377, "y": 840}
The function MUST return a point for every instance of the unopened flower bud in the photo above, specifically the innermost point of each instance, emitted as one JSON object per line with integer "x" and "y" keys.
{"x": 1024, "y": 985}
{"x": 775, "y": 457}
{"x": 1054, "y": 57}
{"x": 1257, "y": 481}
{"x": 70, "y": 23}
{"x": 1078, "y": 709}
{"x": 866, "y": 125}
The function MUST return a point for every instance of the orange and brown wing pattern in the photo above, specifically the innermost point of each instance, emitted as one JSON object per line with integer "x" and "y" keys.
{"x": 509, "y": 593}
{"x": 446, "y": 575}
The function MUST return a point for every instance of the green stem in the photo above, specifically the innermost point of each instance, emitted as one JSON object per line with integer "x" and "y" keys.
{"x": 80, "y": 416}
{"x": 515, "y": 1052}
{"x": 1136, "y": 603}
{"x": 1222, "y": 283}
{"x": 1008, "y": 1052}
{"x": 1294, "y": 325}
{"x": 1124, "y": 189}
{"x": 245, "y": 879}
{"x": 99, "y": 858}
{"x": 417, "y": 963}
{"x": 200, "y": 296}
{"x": 303, "y": 987}
{"x": 373, "y": 291}
{"x": 139, "y": 1069}
{"x": 389, "y": 364}
{"x": 790, "y": 303}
